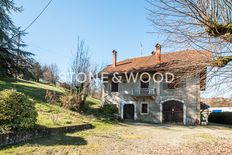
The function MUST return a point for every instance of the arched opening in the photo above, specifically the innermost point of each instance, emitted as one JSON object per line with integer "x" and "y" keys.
{"x": 173, "y": 112}
{"x": 128, "y": 111}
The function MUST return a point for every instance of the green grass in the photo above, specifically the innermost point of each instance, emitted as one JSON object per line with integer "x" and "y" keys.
{"x": 48, "y": 115}
{"x": 93, "y": 102}
{"x": 55, "y": 116}
{"x": 36, "y": 91}
{"x": 71, "y": 143}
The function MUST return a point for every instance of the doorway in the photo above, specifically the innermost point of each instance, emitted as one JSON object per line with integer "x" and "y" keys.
{"x": 173, "y": 112}
{"x": 128, "y": 111}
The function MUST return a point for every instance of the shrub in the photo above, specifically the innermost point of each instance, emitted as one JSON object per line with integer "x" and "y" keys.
{"x": 51, "y": 97}
{"x": 16, "y": 111}
{"x": 109, "y": 111}
{"x": 71, "y": 101}
{"x": 222, "y": 117}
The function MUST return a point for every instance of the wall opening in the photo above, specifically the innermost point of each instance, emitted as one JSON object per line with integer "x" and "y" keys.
{"x": 173, "y": 112}
{"x": 128, "y": 112}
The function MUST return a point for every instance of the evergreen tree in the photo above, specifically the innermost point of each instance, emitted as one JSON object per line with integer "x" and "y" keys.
{"x": 13, "y": 60}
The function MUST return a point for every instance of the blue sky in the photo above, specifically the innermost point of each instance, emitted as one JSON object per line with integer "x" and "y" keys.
{"x": 103, "y": 24}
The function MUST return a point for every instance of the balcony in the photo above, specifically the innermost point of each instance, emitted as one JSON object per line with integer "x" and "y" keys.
{"x": 142, "y": 92}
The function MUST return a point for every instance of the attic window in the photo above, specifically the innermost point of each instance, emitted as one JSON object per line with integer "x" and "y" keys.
{"x": 114, "y": 87}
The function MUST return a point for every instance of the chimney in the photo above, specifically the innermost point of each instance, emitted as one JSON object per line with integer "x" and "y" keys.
{"x": 158, "y": 54}
{"x": 114, "y": 58}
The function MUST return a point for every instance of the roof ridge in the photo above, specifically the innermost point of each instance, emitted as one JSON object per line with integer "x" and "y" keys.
{"x": 128, "y": 59}
{"x": 139, "y": 57}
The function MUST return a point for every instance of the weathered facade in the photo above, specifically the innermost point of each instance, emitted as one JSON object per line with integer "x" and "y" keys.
{"x": 153, "y": 101}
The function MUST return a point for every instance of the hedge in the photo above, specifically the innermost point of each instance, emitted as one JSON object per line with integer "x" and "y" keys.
{"x": 221, "y": 117}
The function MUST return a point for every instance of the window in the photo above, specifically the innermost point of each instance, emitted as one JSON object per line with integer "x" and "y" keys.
{"x": 144, "y": 84}
{"x": 114, "y": 87}
{"x": 144, "y": 108}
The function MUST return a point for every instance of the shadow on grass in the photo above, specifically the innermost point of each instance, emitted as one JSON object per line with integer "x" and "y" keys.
{"x": 61, "y": 139}
{"x": 55, "y": 140}
{"x": 33, "y": 92}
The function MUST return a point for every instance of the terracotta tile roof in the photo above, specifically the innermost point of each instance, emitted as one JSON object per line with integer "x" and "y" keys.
{"x": 218, "y": 102}
{"x": 179, "y": 58}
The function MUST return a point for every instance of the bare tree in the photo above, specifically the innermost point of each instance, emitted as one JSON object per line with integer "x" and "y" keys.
{"x": 51, "y": 73}
{"x": 199, "y": 24}
{"x": 81, "y": 69}
{"x": 211, "y": 17}
{"x": 81, "y": 62}
{"x": 204, "y": 24}
{"x": 55, "y": 72}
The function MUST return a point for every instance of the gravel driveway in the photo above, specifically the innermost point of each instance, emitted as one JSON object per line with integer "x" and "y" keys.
{"x": 137, "y": 138}
{"x": 133, "y": 139}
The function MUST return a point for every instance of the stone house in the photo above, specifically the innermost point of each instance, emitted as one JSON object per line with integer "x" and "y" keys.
{"x": 144, "y": 89}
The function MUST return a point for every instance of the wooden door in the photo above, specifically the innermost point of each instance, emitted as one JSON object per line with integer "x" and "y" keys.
{"x": 173, "y": 112}
{"x": 128, "y": 111}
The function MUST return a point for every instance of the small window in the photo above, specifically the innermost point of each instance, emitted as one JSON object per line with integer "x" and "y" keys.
{"x": 114, "y": 87}
{"x": 144, "y": 108}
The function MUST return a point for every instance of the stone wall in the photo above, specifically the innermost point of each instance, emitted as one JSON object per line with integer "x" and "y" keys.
{"x": 22, "y": 136}
{"x": 189, "y": 96}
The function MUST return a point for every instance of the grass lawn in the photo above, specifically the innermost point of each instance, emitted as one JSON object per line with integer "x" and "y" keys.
{"x": 72, "y": 143}
{"x": 48, "y": 115}
{"x": 35, "y": 90}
